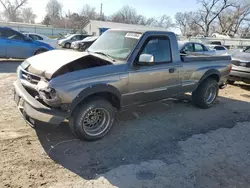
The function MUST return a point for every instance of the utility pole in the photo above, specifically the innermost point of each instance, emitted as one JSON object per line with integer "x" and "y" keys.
{"x": 101, "y": 12}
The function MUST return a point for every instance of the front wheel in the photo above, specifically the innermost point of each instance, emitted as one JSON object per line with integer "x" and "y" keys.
{"x": 93, "y": 119}
{"x": 206, "y": 93}
{"x": 67, "y": 45}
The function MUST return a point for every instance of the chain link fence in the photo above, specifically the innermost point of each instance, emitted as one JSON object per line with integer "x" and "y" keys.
{"x": 37, "y": 28}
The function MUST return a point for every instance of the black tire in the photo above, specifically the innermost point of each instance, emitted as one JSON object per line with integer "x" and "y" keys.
{"x": 79, "y": 116}
{"x": 231, "y": 82}
{"x": 40, "y": 51}
{"x": 67, "y": 45}
{"x": 199, "y": 96}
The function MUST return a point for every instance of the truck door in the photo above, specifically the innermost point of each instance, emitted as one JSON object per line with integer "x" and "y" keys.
{"x": 158, "y": 81}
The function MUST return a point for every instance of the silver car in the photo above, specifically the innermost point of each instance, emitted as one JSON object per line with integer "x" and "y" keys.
{"x": 219, "y": 49}
{"x": 66, "y": 42}
{"x": 194, "y": 48}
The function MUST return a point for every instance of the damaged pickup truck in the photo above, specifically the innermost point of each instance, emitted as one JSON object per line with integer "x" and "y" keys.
{"x": 121, "y": 69}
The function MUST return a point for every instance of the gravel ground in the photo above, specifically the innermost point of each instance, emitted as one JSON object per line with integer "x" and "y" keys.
{"x": 163, "y": 144}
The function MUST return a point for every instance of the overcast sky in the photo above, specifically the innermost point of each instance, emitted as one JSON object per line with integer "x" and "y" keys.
{"x": 148, "y": 8}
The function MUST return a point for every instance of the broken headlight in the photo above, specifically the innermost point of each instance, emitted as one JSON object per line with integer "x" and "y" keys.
{"x": 48, "y": 94}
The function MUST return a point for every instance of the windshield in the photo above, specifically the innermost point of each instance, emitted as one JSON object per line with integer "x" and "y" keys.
{"x": 116, "y": 44}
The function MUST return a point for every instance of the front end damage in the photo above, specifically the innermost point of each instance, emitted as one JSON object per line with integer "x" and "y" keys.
{"x": 41, "y": 101}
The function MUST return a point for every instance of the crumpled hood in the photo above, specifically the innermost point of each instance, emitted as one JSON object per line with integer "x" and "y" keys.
{"x": 46, "y": 64}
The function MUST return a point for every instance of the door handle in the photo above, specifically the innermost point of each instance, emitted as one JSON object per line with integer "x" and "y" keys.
{"x": 172, "y": 70}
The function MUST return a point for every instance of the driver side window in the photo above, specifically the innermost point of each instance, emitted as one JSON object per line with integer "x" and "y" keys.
{"x": 160, "y": 48}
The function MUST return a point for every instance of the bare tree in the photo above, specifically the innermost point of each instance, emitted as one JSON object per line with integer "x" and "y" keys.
{"x": 186, "y": 22}
{"x": 232, "y": 19}
{"x": 163, "y": 21}
{"x": 46, "y": 20}
{"x": 127, "y": 15}
{"x": 54, "y": 9}
{"x": 12, "y": 9}
{"x": 210, "y": 11}
{"x": 89, "y": 12}
{"x": 28, "y": 16}
{"x": 75, "y": 21}
{"x": 181, "y": 21}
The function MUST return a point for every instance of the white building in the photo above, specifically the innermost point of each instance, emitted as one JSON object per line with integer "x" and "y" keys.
{"x": 95, "y": 27}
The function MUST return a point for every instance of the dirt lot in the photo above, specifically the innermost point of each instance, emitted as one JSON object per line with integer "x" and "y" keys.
{"x": 165, "y": 144}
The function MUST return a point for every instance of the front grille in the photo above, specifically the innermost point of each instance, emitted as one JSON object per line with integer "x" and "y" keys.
{"x": 33, "y": 79}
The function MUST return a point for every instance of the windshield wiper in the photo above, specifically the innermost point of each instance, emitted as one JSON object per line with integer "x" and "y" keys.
{"x": 107, "y": 55}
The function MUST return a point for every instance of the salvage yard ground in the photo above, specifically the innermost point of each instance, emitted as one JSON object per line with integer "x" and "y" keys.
{"x": 169, "y": 143}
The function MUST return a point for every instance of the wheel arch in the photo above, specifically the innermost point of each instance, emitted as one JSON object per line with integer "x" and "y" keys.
{"x": 70, "y": 43}
{"x": 108, "y": 92}
{"x": 41, "y": 48}
{"x": 213, "y": 73}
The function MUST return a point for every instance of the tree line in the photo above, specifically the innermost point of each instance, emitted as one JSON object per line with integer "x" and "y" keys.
{"x": 223, "y": 16}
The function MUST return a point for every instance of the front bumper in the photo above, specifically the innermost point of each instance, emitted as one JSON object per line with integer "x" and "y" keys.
{"x": 33, "y": 111}
{"x": 237, "y": 75}
{"x": 60, "y": 44}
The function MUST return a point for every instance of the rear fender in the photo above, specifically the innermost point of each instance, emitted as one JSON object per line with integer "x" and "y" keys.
{"x": 210, "y": 73}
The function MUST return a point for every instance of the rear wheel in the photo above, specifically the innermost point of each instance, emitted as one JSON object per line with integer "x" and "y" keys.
{"x": 93, "y": 119}
{"x": 206, "y": 93}
{"x": 40, "y": 51}
{"x": 67, "y": 45}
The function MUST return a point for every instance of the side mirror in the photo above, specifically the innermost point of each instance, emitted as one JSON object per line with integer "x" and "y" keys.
{"x": 146, "y": 59}
{"x": 27, "y": 39}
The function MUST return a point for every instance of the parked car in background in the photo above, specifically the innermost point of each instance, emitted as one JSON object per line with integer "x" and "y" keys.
{"x": 82, "y": 45}
{"x": 219, "y": 49}
{"x": 123, "y": 68}
{"x": 221, "y": 36}
{"x": 241, "y": 66}
{"x": 194, "y": 48}
{"x": 42, "y": 38}
{"x": 14, "y": 44}
{"x": 66, "y": 42}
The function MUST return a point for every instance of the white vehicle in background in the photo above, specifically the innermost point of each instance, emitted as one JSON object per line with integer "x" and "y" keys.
{"x": 42, "y": 38}
{"x": 219, "y": 49}
{"x": 220, "y": 36}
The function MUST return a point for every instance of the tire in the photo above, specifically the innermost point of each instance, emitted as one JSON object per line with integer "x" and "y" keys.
{"x": 67, "y": 45}
{"x": 231, "y": 82}
{"x": 206, "y": 93}
{"x": 85, "y": 116}
{"x": 40, "y": 51}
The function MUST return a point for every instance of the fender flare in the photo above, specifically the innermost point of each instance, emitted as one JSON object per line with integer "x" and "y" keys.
{"x": 209, "y": 73}
{"x": 91, "y": 90}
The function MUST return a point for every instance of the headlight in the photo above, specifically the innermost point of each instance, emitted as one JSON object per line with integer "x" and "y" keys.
{"x": 43, "y": 85}
{"x": 25, "y": 64}
{"x": 18, "y": 72}
{"x": 48, "y": 94}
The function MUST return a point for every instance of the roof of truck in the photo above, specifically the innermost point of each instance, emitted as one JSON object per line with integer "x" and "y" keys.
{"x": 142, "y": 30}
{"x": 115, "y": 25}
